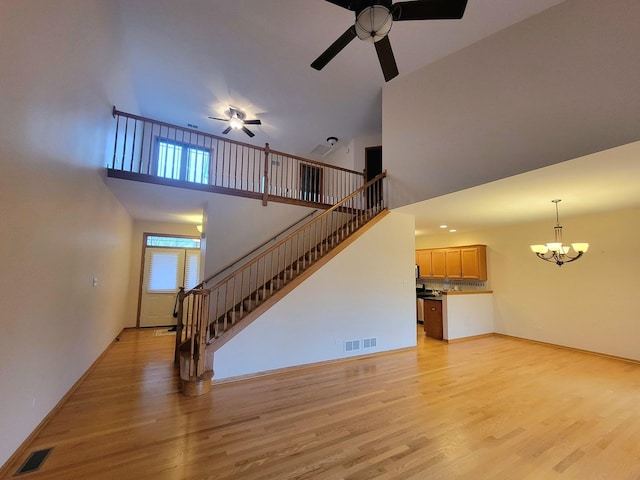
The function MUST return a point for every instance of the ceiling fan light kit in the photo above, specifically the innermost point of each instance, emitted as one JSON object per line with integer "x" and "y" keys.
{"x": 373, "y": 23}
{"x": 374, "y": 19}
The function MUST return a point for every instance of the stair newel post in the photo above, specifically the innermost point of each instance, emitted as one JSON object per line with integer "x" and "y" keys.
{"x": 203, "y": 327}
{"x": 179, "y": 324}
{"x": 265, "y": 176}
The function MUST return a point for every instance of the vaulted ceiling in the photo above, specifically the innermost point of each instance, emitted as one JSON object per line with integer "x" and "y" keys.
{"x": 194, "y": 58}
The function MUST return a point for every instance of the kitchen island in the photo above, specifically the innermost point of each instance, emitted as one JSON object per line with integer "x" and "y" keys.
{"x": 467, "y": 314}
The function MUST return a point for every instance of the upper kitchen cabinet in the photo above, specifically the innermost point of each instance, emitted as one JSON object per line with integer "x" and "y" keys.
{"x": 474, "y": 262}
{"x": 432, "y": 263}
{"x": 455, "y": 263}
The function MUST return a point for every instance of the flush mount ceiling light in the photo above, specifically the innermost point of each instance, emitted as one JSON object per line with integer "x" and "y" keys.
{"x": 555, "y": 251}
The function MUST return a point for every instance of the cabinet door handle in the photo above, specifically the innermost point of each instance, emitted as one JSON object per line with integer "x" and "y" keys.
{"x": 433, "y": 309}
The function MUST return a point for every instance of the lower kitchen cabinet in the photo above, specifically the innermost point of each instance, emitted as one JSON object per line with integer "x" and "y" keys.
{"x": 433, "y": 319}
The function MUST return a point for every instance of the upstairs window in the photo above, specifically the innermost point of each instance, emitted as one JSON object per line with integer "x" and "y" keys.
{"x": 180, "y": 161}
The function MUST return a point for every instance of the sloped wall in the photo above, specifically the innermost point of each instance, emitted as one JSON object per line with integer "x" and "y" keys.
{"x": 556, "y": 86}
{"x": 366, "y": 291}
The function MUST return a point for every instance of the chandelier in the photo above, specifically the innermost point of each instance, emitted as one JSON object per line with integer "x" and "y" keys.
{"x": 555, "y": 251}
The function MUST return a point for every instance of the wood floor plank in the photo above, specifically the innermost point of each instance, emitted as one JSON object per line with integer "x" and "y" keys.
{"x": 489, "y": 408}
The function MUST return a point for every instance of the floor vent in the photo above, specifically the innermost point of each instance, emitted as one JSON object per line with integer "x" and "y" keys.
{"x": 34, "y": 462}
{"x": 351, "y": 345}
{"x": 369, "y": 342}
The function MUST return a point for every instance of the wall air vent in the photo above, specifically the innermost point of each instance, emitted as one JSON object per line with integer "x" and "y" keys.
{"x": 369, "y": 342}
{"x": 351, "y": 345}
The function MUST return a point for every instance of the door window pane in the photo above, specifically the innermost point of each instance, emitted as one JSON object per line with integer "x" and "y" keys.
{"x": 192, "y": 269}
{"x": 163, "y": 272}
{"x": 157, "y": 241}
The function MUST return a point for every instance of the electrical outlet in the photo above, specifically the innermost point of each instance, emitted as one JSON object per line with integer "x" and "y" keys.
{"x": 95, "y": 281}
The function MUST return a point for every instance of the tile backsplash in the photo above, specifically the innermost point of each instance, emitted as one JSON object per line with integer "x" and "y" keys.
{"x": 445, "y": 285}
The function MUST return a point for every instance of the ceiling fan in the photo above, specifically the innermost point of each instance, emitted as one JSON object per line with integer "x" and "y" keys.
{"x": 374, "y": 19}
{"x": 237, "y": 121}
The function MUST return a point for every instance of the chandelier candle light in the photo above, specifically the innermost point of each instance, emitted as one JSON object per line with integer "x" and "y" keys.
{"x": 555, "y": 251}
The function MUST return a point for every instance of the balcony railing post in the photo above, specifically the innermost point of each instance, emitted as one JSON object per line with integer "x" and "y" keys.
{"x": 265, "y": 176}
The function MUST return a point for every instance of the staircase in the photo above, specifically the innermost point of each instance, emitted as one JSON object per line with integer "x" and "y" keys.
{"x": 210, "y": 316}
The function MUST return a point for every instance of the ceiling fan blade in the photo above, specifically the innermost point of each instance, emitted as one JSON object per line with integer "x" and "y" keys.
{"x": 335, "y": 48}
{"x": 252, "y": 122}
{"x": 429, "y": 10}
{"x": 221, "y": 119}
{"x": 226, "y": 130}
{"x": 348, "y": 4}
{"x": 248, "y": 132}
{"x": 387, "y": 60}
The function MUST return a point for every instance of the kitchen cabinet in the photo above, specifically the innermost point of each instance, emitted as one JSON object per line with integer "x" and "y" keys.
{"x": 438, "y": 264}
{"x": 453, "y": 264}
{"x": 474, "y": 262}
{"x": 423, "y": 260}
{"x": 433, "y": 319}
{"x": 432, "y": 263}
{"x": 456, "y": 263}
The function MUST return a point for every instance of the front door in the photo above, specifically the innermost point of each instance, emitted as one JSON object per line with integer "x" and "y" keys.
{"x": 166, "y": 269}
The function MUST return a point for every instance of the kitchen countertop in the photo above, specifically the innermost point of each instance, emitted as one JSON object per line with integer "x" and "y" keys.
{"x": 451, "y": 292}
{"x": 466, "y": 292}
{"x": 429, "y": 297}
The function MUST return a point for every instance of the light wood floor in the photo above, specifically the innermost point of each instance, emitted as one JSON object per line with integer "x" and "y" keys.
{"x": 491, "y": 408}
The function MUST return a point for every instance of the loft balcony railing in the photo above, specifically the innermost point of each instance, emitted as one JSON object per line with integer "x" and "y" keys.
{"x": 158, "y": 152}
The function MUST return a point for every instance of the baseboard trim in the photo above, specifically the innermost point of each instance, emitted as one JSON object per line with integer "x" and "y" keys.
{"x": 23, "y": 449}
{"x": 472, "y": 337}
{"x": 306, "y": 366}
{"x": 565, "y": 347}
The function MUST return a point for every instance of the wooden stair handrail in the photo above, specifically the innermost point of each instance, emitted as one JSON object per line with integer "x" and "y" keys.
{"x": 205, "y": 324}
{"x": 239, "y": 259}
{"x": 305, "y": 226}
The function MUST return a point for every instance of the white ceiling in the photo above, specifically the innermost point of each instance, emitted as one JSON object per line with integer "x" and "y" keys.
{"x": 195, "y": 58}
{"x": 599, "y": 182}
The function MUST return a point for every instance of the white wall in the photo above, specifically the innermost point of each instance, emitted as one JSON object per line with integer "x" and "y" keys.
{"x": 366, "y": 291}
{"x": 557, "y": 86}
{"x": 236, "y": 225}
{"x": 591, "y": 304}
{"x": 467, "y": 315}
{"x": 60, "y": 73}
{"x": 351, "y": 155}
